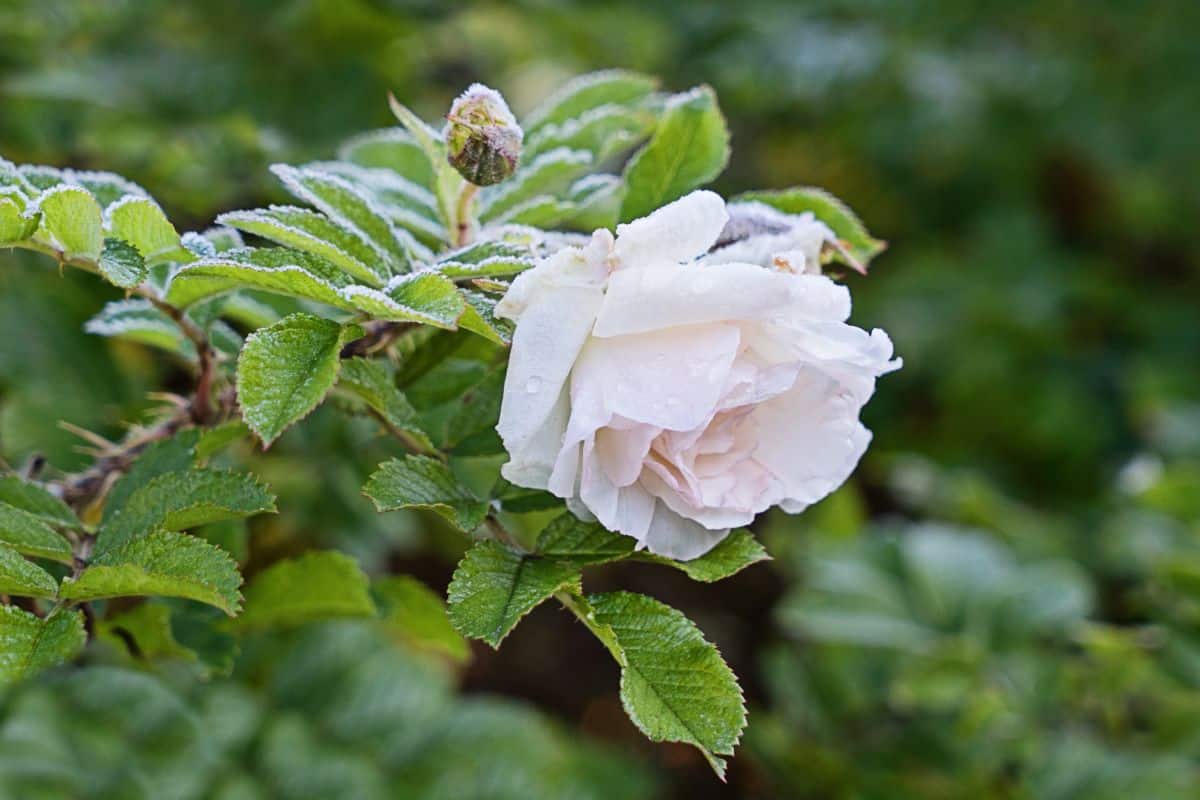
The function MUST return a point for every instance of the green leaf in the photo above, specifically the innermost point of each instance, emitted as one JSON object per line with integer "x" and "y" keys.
{"x": 406, "y": 204}
{"x": 32, "y": 535}
{"x": 425, "y": 297}
{"x": 352, "y": 209}
{"x": 422, "y": 482}
{"x": 597, "y": 200}
{"x": 285, "y": 371}
{"x": 106, "y": 187}
{"x": 543, "y": 211}
{"x": 72, "y": 218}
{"x": 23, "y": 578}
{"x": 602, "y": 131}
{"x": 390, "y": 148}
{"x": 845, "y": 224}
{"x": 495, "y": 586}
{"x": 588, "y": 92}
{"x": 138, "y": 320}
{"x": 734, "y": 553}
{"x": 371, "y": 382}
{"x": 176, "y": 454}
{"x": 121, "y": 264}
{"x": 674, "y": 684}
{"x": 480, "y": 317}
{"x": 140, "y": 222}
{"x": 29, "y": 644}
{"x": 548, "y": 174}
{"x": 318, "y": 585}
{"x": 272, "y": 269}
{"x": 163, "y": 563}
{"x": 447, "y": 183}
{"x": 495, "y": 267}
{"x": 417, "y": 615}
{"x": 178, "y": 500}
{"x": 689, "y": 148}
{"x": 145, "y": 631}
{"x": 313, "y": 233}
{"x": 569, "y": 538}
{"x": 36, "y": 500}
{"x": 15, "y": 226}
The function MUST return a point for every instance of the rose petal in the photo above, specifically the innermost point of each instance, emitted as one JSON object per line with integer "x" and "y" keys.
{"x": 679, "y": 231}
{"x": 673, "y": 536}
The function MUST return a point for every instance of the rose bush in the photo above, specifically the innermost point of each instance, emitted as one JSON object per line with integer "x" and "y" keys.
{"x": 673, "y": 393}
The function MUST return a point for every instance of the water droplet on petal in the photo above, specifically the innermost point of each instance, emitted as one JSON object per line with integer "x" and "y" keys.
{"x": 533, "y": 385}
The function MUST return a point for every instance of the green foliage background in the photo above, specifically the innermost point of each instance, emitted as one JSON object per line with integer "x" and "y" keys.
{"x": 1003, "y": 603}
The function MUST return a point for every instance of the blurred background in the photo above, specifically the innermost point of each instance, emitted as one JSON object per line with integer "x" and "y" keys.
{"x": 1003, "y": 603}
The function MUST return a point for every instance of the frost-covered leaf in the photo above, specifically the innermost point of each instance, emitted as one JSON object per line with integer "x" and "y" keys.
{"x": 825, "y": 207}
{"x": 163, "y": 563}
{"x": 495, "y": 586}
{"x": 480, "y": 317}
{"x": 588, "y": 92}
{"x": 32, "y": 535}
{"x": 372, "y": 383}
{"x": 72, "y": 219}
{"x": 548, "y": 174}
{"x": 23, "y": 578}
{"x": 286, "y": 369}
{"x": 417, "y": 615}
{"x": 487, "y": 249}
{"x": 121, "y": 264}
{"x": 318, "y": 585}
{"x": 494, "y": 267}
{"x": 42, "y": 177}
{"x": 734, "y": 553}
{"x": 408, "y": 205}
{"x": 30, "y": 644}
{"x": 425, "y": 297}
{"x": 106, "y": 187}
{"x": 139, "y": 320}
{"x": 314, "y": 233}
{"x": 447, "y": 183}
{"x": 183, "y": 499}
{"x": 602, "y": 131}
{"x": 390, "y": 148}
{"x": 597, "y": 200}
{"x": 689, "y": 148}
{"x": 674, "y": 684}
{"x": 140, "y": 222}
{"x": 543, "y": 211}
{"x": 15, "y": 226}
{"x": 352, "y": 209}
{"x": 36, "y": 500}
{"x": 273, "y": 269}
{"x": 422, "y": 482}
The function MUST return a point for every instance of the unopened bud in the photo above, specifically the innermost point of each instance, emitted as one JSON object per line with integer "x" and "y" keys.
{"x": 483, "y": 139}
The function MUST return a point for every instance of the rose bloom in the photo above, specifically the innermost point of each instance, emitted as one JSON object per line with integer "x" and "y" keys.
{"x": 672, "y": 394}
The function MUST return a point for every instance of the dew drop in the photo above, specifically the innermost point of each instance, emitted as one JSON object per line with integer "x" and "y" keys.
{"x": 533, "y": 385}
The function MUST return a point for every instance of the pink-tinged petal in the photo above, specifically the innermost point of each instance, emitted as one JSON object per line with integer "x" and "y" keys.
{"x": 673, "y": 536}
{"x": 620, "y": 451}
{"x": 677, "y": 232}
{"x": 708, "y": 517}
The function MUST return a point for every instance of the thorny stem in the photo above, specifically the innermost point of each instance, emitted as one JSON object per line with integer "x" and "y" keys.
{"x": 380, "y": 335}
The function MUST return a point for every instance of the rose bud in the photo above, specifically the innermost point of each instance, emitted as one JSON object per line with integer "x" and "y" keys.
{"x": 483, "y": 139}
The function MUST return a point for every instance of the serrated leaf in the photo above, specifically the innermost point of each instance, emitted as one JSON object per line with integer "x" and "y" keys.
{"x": 689, "y": 148}
{"x": 486, "y": 249}
{"x": 145, "y": 631}
{"x": 390, "y": 148}
{"x": 139, "y": 320}
{"x": 313, "y": 233}
{"x": 674, "y": 684}
{"x": 352, "y": 209}
{"x": 501, "y": 266}
{"x": 547, "y": 174}
{"x": 36, "y": 500}
{"x": 21, "y": 577}
{"x": 72, "y": 218}
{"x": 828, "y": 209}
{"x": 371, "y": 382}
{"x": 286, "y": 369}
{"x": 520, "y": 500}
{"x": 418, "y": 616}
{"x": 588, "y": 92}
{"x": 140, "y": 222}
{"x": 121, "y": 264}
{"x": 163, "y": 563}
{"x": 602, "y": 131}
{"x": 29, "y": 644}
{"x": 597, "y": 200}
{"x": 732, "y": 554}
{"x": 543, "y": 211}
{"x": 424, "y": 297}
{"x": 176, "y": 454}
{"x": 106, "y": 187}
{"x": 447, "y": 183}
{"x": 42, "y": 177}
{"x": 175, "y": 501}
{"x": 422, "y": 482}
{"x": 495, "y": 586}
{"x": 318, "y": 585}
{"x": 15, "y": 226}
{"x": 32, "y": 535}
{"x": 277, "y": 270}
{"x": 568, "y": 538}
{"x": 406, "y": 204}
{"x": 480, "y": 317}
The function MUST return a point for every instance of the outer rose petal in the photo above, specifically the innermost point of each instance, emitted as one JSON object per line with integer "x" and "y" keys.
{"x": 679, "y": 231}
{"x": 673, "y": 536}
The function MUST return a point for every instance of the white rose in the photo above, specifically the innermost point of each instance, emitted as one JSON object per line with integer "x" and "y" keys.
{"x": 674, "y": 399}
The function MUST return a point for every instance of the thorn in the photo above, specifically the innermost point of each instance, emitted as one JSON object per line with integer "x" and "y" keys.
{"x": 88, "y": 436}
